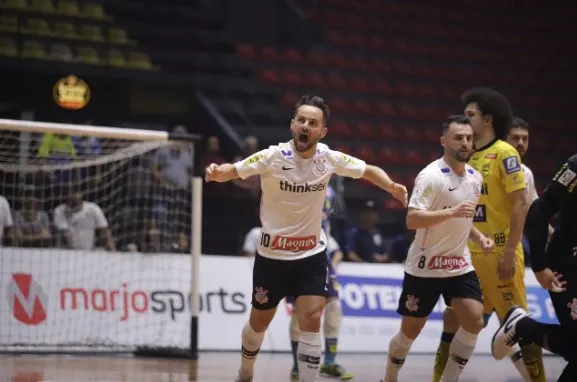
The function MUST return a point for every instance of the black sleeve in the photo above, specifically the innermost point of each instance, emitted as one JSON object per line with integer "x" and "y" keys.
{"x": 559, "y": 191}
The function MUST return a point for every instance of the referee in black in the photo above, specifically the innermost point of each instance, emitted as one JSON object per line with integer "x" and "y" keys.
{"x": 555, "y": 267}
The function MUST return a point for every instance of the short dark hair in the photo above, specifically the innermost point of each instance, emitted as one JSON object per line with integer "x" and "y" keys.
{"x": 461, "y": 119}
{"x": 316, "y": 101}
{"x": 520, "y": 123}
{"x": 491, "y": 102}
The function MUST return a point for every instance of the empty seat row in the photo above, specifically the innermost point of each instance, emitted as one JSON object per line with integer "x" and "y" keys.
{"x": 84, "y": 54}
{"x": 63, "y": 29}
{"x": 414, "y": 67}
{"x": 64, "y": 7}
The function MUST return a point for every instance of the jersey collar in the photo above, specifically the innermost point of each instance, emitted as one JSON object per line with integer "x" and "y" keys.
{"x": 487, "y": 145}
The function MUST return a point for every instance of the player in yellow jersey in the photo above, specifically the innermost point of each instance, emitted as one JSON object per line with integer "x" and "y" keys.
{"x": 500, "y": 214}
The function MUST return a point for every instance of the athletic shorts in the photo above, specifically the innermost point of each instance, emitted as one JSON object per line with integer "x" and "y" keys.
{"x": 500, "y": 295}
{"x": 421, "y": 294}
{"x": 333, "y": 291}
{"x": 273, "y": 280}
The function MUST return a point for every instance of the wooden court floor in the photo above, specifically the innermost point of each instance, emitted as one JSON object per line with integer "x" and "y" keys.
{"x": 222, "y": 367}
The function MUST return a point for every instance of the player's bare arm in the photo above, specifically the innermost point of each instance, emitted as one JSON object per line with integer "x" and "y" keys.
{"x": 477, "y": 236}
{"x": 418, "y": 219}
{"x": 220, "y": 173}
{"x": 519, "y": 208}
{"x": 381, "y": 179}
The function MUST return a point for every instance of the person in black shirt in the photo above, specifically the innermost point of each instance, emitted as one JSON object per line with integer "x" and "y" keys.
{"x": 555, "y": 267}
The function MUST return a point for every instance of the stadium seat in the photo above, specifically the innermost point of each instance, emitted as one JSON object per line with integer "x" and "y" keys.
{"x": 91, "y": 32}
{"x": 8, "y": 47}
{"x": 387, "y": 132}
{"x": 245, "y": 51}
{"x": 367, "y": 153}
{"x": 118, "y": 36}
{"x": 88, "y": 55}
{"x": 365, "y": 130}
{"x": 389, "y": 156}
{"x": 33, "y": 50}
{"x": 339, "y": 129}
{"x": 8, "y": 23}
{"x": 139, "y": 60}
{"x": 61, "y": 52}
{"x": 93, "y": 11}
{"x": 36, "y": 26}
{"x": 269, "y": 75}
{"x": 65, "y": 30}
{"x": 116, "y": 58}
{"x": 14, "y": 4}
{"x": 68, "y": 7}
{"x": 44, "y": 6}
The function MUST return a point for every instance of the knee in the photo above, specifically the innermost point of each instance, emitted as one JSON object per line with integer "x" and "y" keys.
{"x": 476, "y": 326}
{"x": 412, "y": 326}
{"x": 310, "y": 320}
{"x": 333, "y": 318}
{"x": 260, "y": 319}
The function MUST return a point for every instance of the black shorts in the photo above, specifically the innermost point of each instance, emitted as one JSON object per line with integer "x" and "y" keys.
{"x": 273, "y": 280}
{"x": 420, "y": 294}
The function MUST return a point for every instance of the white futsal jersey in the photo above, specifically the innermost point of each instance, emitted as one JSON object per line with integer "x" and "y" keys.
{"x": 530, "y": 181}
{"x": 293, "y": 195}
{"x": 441, "y": 250}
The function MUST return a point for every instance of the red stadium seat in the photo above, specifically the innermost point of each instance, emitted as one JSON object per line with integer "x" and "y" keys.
{"x": 389, "y": 155}
{"x": 246, "y": 51}
{"x": 365, "y": 130}
{"x": 339, "y": 129}
{"x": 269, "y": 75}
{"x": 269, "y": 53}
{"x": 366, "y": 153}
{"x": 388, "y": 132}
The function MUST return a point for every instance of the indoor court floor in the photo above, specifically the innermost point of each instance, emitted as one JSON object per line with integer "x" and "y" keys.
{"x": 222, "y": 367}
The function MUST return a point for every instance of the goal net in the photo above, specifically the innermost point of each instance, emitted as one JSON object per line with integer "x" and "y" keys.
{"x": 95, "y": 242}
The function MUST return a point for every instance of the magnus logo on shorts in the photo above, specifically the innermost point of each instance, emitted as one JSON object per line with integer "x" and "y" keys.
{"x": 300, "y": 188}
{"x": 448, "y": 263}
{"x": 294, "y": 244}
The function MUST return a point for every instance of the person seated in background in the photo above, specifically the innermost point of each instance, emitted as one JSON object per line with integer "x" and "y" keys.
{"x": 365, "y": 243}
{"x": 57, "y": 147}
{"x": 78, "y": 221}
{"x": 400, "y": 246}
{"x": 31, "y": 225}
{"x": 6, "y": 222}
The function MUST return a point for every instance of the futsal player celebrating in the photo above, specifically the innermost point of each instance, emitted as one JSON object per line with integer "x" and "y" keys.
{"x": 291, "y": 259}
{"x": 500, "y": 213}
{"x": 441, "y": 209}
{"x": 551, "y": 263}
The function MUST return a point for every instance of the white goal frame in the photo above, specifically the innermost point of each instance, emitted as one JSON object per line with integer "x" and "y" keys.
{"x": 130, "y": 134}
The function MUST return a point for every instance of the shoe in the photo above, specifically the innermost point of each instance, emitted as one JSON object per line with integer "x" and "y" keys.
{"x": 336, "y": 371}
{"x": 295, "y": 374}
{"x": 505, "y": 338}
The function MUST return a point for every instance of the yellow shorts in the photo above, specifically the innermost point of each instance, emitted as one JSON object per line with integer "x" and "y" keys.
{"x": 500, "y": 295}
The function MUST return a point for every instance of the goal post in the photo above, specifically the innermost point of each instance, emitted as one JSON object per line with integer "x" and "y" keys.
{"x": 99, "y": 249}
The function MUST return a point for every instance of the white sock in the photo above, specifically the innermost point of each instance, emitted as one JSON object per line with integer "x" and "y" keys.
{"x": 461, "y": 349}
{"x": 398, "y": 349}
{"x": 251, "y": 342}
{"x": 517, "y": 360}
{"x": 309, "y": 356}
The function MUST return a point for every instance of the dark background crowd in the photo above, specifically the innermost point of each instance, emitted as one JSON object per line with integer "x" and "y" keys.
{"x": 232, "y": 71}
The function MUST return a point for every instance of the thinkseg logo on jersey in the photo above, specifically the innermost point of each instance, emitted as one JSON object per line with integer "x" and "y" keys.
{"x": 300, "y": 188}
